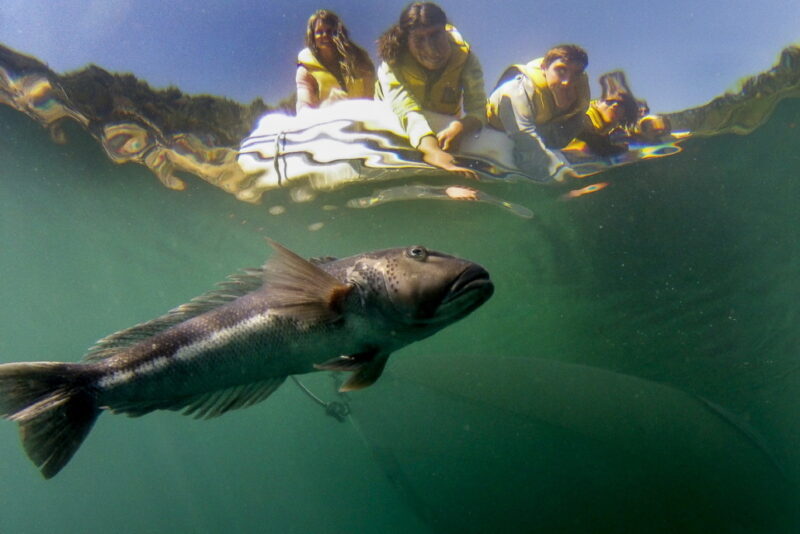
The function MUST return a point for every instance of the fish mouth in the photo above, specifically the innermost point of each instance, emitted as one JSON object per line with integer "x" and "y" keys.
{"x": 469, "y": 290}
{"x": 472, "y": 278}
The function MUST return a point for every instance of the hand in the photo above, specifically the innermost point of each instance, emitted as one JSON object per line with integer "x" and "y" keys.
{"x": 335, "y": 95}
{"x": 433, "y": 155}
{"x": 450, "y": 138}
{"x": 461, "y": 193}
{"x": 445, "y": 161}
{"x": 564, "y": 173}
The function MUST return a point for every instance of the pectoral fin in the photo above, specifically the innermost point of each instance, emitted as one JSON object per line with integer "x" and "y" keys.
{"x": 343, "y": 363}
{"x": 366, "y": 368}
{"x": 366, "y": 375}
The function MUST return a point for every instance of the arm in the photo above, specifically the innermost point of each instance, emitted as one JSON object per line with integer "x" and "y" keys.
{"x": 369, "y": 82}
{"x": 404, "y": 105}
{"x": 516, "y": 114}
{"x": 432, "y": 154}
{"x": 559, "y": 133}
{"x": 474, "y": 94}
{"x": 419, "y": 132}
{"x": 307, "y": 89}
{"x": 474, "y": 103}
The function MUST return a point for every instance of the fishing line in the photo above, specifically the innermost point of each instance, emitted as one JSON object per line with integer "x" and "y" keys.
{"x": 336, "y": 409}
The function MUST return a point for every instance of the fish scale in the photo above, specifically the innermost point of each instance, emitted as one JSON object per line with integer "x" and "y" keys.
{"x": 234, "y": 346}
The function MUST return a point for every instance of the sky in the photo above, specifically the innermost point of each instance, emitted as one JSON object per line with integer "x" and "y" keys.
{"x": 677, "y": 54}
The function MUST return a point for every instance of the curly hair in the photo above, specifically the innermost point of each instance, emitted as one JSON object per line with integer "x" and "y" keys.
{"x": 395, "y": 40}
{"x": 353, "y": 61}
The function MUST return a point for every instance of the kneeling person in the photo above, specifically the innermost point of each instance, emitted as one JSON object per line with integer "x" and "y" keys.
{"x": 610, "y": 119}
{"x": 427, "y": 66}
{"x": 541, "y": 105}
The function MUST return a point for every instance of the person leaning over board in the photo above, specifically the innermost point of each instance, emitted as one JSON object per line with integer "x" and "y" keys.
{"x": 427, "y": 66}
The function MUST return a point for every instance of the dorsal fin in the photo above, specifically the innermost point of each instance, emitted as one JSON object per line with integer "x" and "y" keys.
{"x": 294, "y": 285}
{"x": 236, "y": 285}
{"x": 299, "y": 288}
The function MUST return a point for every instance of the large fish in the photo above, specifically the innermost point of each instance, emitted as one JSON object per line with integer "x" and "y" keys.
{"x": 234, "y": 346}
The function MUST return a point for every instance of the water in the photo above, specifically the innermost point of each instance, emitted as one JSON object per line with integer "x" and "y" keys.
{"x": 636, "y": 370}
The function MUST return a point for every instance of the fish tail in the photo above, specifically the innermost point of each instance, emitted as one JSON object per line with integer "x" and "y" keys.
{"x": 54, "y": 407}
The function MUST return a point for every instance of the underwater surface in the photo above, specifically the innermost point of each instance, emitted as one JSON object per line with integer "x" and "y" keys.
{"x": 637, "y": 370}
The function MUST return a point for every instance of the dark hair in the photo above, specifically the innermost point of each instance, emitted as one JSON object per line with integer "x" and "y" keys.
{"x": 615, "y": 85}
{"x": 570, "y": 53}
{"x": 353, "y": 61}
{"x": 394, "y": 41}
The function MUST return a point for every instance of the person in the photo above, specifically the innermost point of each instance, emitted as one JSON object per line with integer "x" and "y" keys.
{"x": 618, "y": 119}
{"x": 650, "y": 127}
{"x": 428, "y": 66}
{"x": 541, "y": 106}
{"x": 331, "y": 67}
{"x": 610, "y": 118}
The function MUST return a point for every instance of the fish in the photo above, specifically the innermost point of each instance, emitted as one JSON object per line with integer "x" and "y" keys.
{"x": 234, "y": 346}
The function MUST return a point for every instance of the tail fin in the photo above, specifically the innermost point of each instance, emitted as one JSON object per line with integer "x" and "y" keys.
{"x": 54, "y": 409}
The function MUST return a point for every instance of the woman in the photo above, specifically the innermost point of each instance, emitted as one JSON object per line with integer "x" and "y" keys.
{"x": 618, "y": 118}
{"x": 331, "y": 67}
{"x": 427, "y": 66}
{"x": 616, "y": 112}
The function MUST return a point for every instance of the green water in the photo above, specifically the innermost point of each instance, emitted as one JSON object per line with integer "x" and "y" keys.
{"x": 636, "y": 370}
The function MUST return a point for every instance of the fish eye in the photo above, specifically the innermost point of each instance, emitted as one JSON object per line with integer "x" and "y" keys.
{"x": 417, "y": 252}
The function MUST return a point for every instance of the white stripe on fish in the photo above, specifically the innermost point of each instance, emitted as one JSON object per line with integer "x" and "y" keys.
{"x": 235, "y": 346}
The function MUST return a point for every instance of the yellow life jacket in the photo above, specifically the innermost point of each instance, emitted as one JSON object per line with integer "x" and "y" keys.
{"x": 442, "y": 94}
{"x": 598, "y": 123}
{"x": 542, "y": 98}
{"x": 326, "y": 81}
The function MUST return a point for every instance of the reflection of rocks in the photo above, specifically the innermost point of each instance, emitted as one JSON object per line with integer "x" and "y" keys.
{"x": 165, "y": 130}
{"x": 25, "y": 85}
{"x": 748, "y": 109}
{"x": 105, "y": 97}
{"x": 169, "y": 132}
